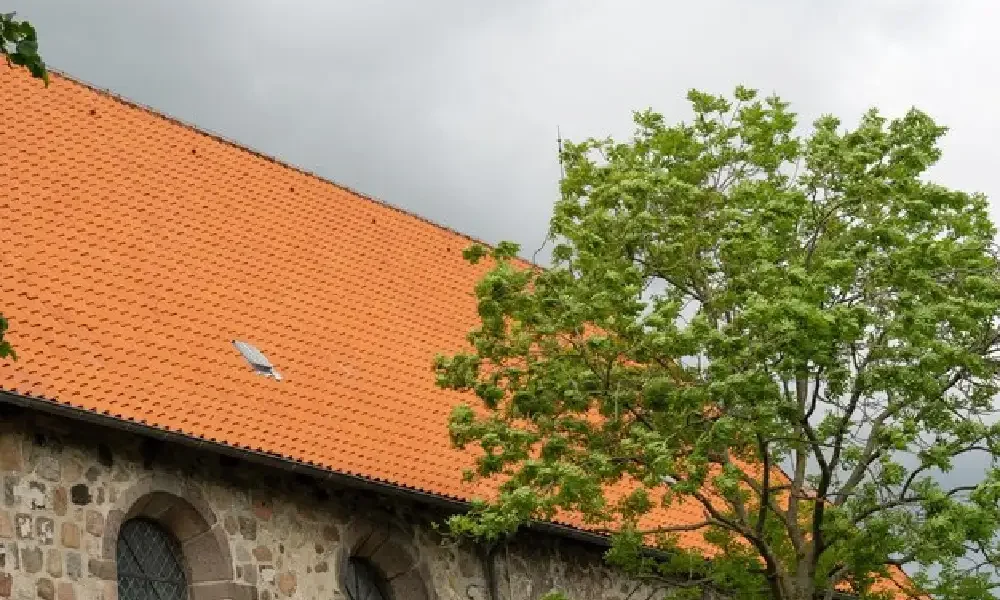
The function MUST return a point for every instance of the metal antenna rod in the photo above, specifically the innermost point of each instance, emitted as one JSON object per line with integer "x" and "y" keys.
{"x": 562, "y": 168}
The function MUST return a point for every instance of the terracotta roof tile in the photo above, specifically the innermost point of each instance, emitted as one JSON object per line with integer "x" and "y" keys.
{"x": 136, "y": 249}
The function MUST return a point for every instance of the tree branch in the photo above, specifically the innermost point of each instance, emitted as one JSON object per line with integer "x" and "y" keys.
{"x": 774, "y": 573}
{"x": 852, "y": 404}
{"x": 765, "y": 492}
{"x": 905, "y": 501}
{"x": 675, "y": 528}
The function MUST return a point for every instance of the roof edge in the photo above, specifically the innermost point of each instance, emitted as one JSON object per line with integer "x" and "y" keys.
{"x": 218, "y": 137}
{"x": 348, "y": 480}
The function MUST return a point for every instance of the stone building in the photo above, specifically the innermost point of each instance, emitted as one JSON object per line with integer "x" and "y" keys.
{"x": 98, "y": 509}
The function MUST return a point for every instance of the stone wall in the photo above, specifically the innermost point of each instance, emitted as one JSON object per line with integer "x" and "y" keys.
{"x": 247, "y": 532}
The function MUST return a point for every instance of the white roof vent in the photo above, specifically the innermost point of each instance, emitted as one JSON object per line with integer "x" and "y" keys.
{"x": 257, "y": 359}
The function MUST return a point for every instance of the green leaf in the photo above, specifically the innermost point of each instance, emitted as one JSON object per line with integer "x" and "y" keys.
{"x": 19, "y": 46}
{"x": 474, "y": 253}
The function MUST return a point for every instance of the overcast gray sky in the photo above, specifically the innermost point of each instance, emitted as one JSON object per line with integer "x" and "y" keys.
{"x": 449, "y": 108}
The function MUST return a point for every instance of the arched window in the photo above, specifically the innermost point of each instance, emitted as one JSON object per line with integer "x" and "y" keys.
{"x": 150, "y": 566}
{"x": 363, "y": 581}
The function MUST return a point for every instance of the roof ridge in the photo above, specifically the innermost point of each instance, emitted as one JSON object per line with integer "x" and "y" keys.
{"x": 268, "y": 157}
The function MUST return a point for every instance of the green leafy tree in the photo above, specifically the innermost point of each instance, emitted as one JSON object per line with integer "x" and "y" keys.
{"x": 19, "y": 46}
{"x": 797, "y": 332}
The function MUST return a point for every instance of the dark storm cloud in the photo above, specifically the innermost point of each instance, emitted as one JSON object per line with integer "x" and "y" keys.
{"x": 450, "y": 108}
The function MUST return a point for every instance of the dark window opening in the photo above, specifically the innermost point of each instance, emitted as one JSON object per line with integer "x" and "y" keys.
{"x": 149, "y": 563}
{"x": 363, "y": 581}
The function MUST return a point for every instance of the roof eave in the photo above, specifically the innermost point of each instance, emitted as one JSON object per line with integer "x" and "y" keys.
{"x": 346, "y": 480}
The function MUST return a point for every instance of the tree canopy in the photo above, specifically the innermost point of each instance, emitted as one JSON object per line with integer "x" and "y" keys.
{"x": 796, "y": 331}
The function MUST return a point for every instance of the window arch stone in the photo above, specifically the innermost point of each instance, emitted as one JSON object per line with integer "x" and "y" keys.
{"x": 388, "y": 546}
{"x": 182, "y": 511}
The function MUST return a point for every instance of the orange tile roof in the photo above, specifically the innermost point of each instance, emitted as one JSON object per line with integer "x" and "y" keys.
{"x": 136, "y": 248}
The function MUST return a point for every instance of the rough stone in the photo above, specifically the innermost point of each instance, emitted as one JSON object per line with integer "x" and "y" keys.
{"x": 242, "y": 554}
{"x": 266, "y": 573}
{"x": 45, "y": 589}
{"x": 231, "y": 525}
{"x": 24, "y": 526}
{"x": 54, "y": 562}
{"x": 80, "y": 494}
{"x": 10, "y": 557}
{"x": 93, "y": 473}
{"x": 248, "y": 528}
{"x": 249, "y": 574}
{"x": 10, "y": 482}
{"x": 59, "y": 501}
{"x": 36, "y": 495}
{"x": 393, "y": 559}
{"x": 49, "y": 469}
{"x": 65, "y": 591}
{"x": 45, "y": 530}
{"x": 207, "y": 563}
{"x": 6, "y": 526}
{"x": 69, "y": 535}
{"x": 477, "y": 592}
{"x": 74, "y": 566}
{"x": 72, "y": 470}
{"x": 31, "y": 559}
{"x": 102, "y": 569}
{"x": 109, "y": 590}
{"x": 121, "y": 474}
{"x": 262, "y": 554}
{"x": 287, "y": 583}
{"x": 114, "y": 520}
{"x": 95, "y": 523}
{"x": 263, "y": 509}
{"x": 10, "y": 453}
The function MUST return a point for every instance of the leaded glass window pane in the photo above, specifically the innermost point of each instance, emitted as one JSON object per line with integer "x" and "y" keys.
{"x": 149, "y": 563}
{"x": 362, "y": 581}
